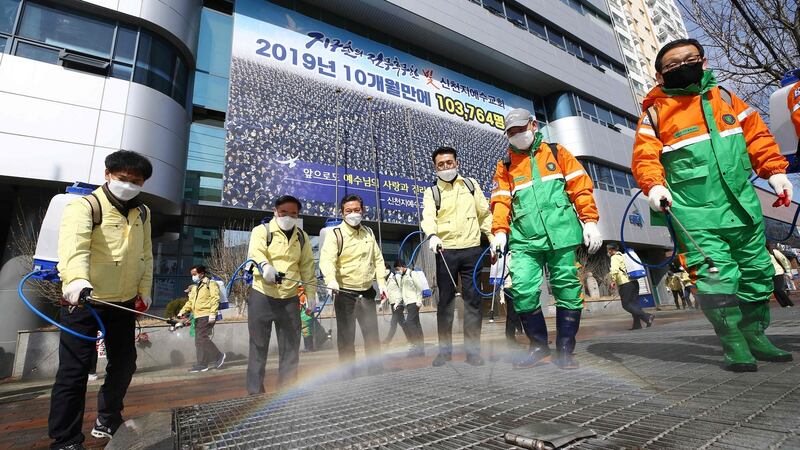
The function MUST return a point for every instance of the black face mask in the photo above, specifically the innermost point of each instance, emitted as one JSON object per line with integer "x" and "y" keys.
{"x": 684, "y": 76}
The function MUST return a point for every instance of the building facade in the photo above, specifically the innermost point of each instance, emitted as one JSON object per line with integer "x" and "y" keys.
{"x": 643, "y": 27}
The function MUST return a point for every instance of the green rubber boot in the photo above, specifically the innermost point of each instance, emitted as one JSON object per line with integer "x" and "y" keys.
{"x": 726, "y": 324}
{"x": 755, "y": 319}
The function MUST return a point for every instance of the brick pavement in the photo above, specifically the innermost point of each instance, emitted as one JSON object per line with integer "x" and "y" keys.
{"x": 24, "y": 406}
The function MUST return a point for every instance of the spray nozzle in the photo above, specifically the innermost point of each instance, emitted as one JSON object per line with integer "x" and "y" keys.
{"x": 711, "y": 267}
{"x": 279, "y": 276}
{"x": 664, "y": 203}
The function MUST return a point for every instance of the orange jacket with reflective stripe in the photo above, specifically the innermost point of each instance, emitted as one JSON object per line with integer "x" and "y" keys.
{"x": 681, "y": 123}
{"x": 518, "y": 177}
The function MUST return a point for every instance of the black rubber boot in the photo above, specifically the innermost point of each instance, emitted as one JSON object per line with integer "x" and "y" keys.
{"x": 536, "y": 329}
{"x": 567, "y": 323}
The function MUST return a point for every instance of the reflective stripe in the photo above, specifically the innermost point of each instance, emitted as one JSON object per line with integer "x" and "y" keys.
{"x": 575, "y": 174}
{"x": 555, "y": 176}
{"x": 745, "y": 113}
{"x": 725, "y": 133}
{"x": 685, "y": 142}
{"x": 796, "y": 107}
{"x": 647, "y": 131}
{"x": 500, "y": 193}
{"x": 521, "y": 186}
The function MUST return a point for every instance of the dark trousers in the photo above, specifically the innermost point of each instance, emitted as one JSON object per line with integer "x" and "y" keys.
{"x": 398, "y": 318}
{"x": 262, "y": 312}
{"x": 678, "y": 295}
{"x": 779, "y": 286}
{"x": 68, "y": 399}
{"x": 629, "y": 293}
{"x": 461, "y": 262}
{"x": 413, "y": 327}
{"x": 207, "y": 352}
{"x": 349, "y": 310}
{"x": 513, "y": 324}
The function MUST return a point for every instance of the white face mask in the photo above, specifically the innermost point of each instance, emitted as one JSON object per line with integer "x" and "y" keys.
{"x": 522, "y": 141}
{"x": 196, "y": 278}
{"x": 286, "y": 223}
{"x": 448, "y": 174}
{"x": 353, "y": 219}
{"x": 123, "y": 190}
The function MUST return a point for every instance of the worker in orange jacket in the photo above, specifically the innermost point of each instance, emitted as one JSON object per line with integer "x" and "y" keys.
{"x": 536, "y": 186}
{"x": 696, "y": 145}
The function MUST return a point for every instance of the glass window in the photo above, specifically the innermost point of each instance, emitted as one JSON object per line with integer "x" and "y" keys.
{"x": 536, "y": 27}
{"x": 61, "y": 28}
{"x": 36, "y": 52}
{"x": 8, "y": 14}
{"x": 180, "y": 82}
{"x": 620, "y": 180}
{"x": 125, "y": 46}
{"x": 603, "y": 62}
{"x": 576, "y": 5}
{"x": 210, "y": 91}
{"x": 632, "y": 181}
{"x": 573, "y": 47}
{"x": 215, "y": 42}
{"x": 603, "y": 114}
{"x": 603, "y": 174}
{"x": 3, "y": 42}
{"x": 495, "y": 6}
{"x": 587, "y": 106}
{"x": 515, "y": 15}
{"x": 155, "y": 63}
{"x": 121, "y": 71}
{"x": 618, "y": 119}
{"x": 589, "y": 55}
{"x": 556, "y": 39}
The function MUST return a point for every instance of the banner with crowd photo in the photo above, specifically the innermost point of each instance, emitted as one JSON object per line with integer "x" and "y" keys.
{"x": 318, "y": 112}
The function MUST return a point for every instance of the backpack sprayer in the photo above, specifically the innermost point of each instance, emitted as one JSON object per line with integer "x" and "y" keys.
{"x": 45, "y": 261}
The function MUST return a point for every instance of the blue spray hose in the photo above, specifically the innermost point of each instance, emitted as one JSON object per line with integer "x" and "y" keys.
{"x": 53, "y": 322}
{"x": 403, "y": 242}
{"x": 479, "y": 265}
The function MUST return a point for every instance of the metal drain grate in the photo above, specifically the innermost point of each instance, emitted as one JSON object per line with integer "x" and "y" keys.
{"x": 660, "y": 388}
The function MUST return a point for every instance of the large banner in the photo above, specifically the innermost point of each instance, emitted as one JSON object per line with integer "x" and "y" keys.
{"x": 318, "y": 112}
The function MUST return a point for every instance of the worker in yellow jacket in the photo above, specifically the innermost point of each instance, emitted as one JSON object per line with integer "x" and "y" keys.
{"x": 351, "y": 261}
{"x": 455, "y": 214}
{"x": 104, "y": 247}
{"x": 203, "y": 304}
{"x": 279, "y": 246}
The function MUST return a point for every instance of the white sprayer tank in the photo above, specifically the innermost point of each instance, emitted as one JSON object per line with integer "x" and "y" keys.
{"x": 780, "y": 116}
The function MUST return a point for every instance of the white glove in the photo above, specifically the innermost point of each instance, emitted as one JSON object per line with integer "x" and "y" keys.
{"x": 499, "y": 243}
{"x": 333, "y": 285}
{"x": 147, "y": 300}
{"x": 434, "y": 243}
{"x": 72, "y": 291}
{"x": 212, "y": 318}
{"x": 502, "y": 299}
{"x": 592, "y": 237}
{"x": 658, "y": 192}
{"x": 780, "y": 183}
{"x": 268, "y": 273}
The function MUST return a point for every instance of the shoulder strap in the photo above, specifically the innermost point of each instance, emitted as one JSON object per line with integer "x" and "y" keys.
{"x": 726, "y": 96}
{"x": 96, "y": 207}
{"x": 652, "y": 115}
{"x": 339, "y": 241}
{"x": 437, "y": 196}
{"x": 143, "y": 213}
{"x": 506, "y": 161}
{"x": 301, "y": 237}
{"x": 269, "y": 234}
{"x": 553, "y": 149}
{"x": 470, "y": 185}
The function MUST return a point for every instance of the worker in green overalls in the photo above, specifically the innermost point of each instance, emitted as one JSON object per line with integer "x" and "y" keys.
{"x": 538, "y": 188}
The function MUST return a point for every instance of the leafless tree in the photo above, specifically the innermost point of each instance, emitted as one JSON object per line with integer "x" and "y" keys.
{"x": 751, "y": 44}
{"x": 24, "y": 236}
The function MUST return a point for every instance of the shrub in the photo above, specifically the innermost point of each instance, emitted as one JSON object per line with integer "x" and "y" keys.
{"x": 174, "y": 306}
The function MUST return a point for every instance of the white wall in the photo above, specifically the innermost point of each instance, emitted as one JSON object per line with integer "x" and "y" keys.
{"x": 58, "y": 124}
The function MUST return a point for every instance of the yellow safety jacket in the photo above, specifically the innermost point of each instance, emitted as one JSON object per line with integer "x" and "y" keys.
{"x": 461, "y": 217}
{"x": 619, "y": 273}
{"x": 286, "y": 256}
{"x": 203, "y": 299}
{"x": 360, "y": 262}
{"x": 116, "y": 256}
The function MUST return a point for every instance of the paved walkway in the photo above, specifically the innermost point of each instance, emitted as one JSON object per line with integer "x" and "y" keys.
{"x": 24, "y": 406}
